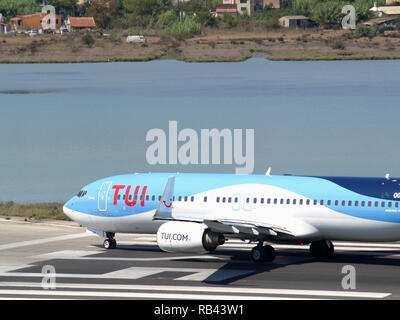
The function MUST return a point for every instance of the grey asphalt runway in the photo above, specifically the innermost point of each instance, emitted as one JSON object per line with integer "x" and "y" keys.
{"x": 59, "y": 260}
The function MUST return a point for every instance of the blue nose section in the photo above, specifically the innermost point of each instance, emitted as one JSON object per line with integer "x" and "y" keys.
{"x": 69, "y": 207}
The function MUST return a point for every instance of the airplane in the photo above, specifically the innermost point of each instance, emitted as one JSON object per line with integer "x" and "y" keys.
{"x": 197, "y": 212}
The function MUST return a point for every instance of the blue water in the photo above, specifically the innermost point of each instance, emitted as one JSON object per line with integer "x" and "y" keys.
{"x": 65, "y": 125}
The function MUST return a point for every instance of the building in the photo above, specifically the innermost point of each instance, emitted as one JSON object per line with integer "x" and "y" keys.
{"x": 35, "y": 21}
{"x": 4, "y": 27}
{"x": 75, "y": 23}
{"x": 295, "y": 22}
{"x": 387, "y": 10}
{"x": 84, "y": 2}
{"x": 250, "y": 7}
{"x": 226, "y": 9}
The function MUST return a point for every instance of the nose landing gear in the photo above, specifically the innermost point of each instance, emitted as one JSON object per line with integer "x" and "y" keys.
{"x": 110, "y": 242}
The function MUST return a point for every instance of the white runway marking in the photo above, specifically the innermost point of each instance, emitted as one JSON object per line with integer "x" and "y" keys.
{"x": 197, "y": 274}
{"x": 82, "y": 255}
{"x": 138, "y": 295}
{"x": 41, "y": 241}
{"x": 243, "y": 292}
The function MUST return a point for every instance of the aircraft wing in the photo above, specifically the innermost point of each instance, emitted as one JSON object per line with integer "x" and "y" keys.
{"x": 292, "y": 227}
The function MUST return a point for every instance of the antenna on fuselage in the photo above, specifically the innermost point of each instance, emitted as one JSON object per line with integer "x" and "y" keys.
{"x": 268, "y": 173}
{"x": 387, "y": 176}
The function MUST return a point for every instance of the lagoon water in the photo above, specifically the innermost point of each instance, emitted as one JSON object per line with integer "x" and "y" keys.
{"x": 65, "y": 125}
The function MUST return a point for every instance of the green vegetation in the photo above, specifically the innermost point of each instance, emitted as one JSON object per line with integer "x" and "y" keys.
{"x": 190, "y": 17}
{"x": 88, "y": 40}
{"x": 35, "y": 211}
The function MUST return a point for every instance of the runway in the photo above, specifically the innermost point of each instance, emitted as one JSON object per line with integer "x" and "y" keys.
{"x": 137, "y": 269}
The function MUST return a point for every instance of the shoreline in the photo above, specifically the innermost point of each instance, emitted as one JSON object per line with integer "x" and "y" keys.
{"x": 275, "y": 45}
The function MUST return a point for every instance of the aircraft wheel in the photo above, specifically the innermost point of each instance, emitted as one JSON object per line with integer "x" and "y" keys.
{"x": 265, "y": 253}
{"x": 110, "y": 244}
{"x": 322, "y": 249}
{"x": 269, "y": 253}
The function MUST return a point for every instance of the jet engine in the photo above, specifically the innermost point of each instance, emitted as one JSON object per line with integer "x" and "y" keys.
{"x": 179, "y": 236}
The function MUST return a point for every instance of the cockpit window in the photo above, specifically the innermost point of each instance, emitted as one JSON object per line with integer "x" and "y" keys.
{"x": 81, "y": 193}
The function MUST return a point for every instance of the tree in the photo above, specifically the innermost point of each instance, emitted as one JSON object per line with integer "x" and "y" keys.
{"x": 11, "y": 8}
{"x": 143, "y": 7}
{"x": 103, "y": 11}
{"x": 64, "y": 7}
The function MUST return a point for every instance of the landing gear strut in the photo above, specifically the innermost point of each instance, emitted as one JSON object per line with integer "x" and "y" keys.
{"x": 322, "y": 249}
{"x": 262, "y": 253}
{"x": 110, "y": 242}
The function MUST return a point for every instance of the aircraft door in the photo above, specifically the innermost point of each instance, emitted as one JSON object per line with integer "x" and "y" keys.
{"x": 103, "y": 195}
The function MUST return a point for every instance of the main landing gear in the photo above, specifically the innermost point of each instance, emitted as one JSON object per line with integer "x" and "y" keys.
{"x": 322, "y": 249}
{"x": 110, "y": 242}
{"x": 261, "y": 253}
{"x": 318, "y": 249}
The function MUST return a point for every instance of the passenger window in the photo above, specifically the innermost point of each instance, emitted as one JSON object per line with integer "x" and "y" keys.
{"x": 321, "y": 202}
{"x": 315, "y": 202}
{"x": 396, "y": 205}
{"x": 369, "y": 203}
{"x": 308, "y": 202}
{"x": 223, "y": 199}
{"x": 356, "y": 203}
{"x": 343, "y": 203}
{"x": 192, "y": 198}
{"x": 217, "y": 199}
{"x": 287, "y": 201}
{"x": 205, "y": 199}
{"x": 301, "y": 202}
{"x": 119, "y": 197}
{"x": 282, "y": 201}
{"x": 254, "y": 200}
{"x": 229, "y": 199}
{"x": 362, "y": 203}
{"x": 185, "y": 198}
{"x": 336, "y": 202}
{"x": 350, "y": 203}
{"x": 294, "y": 201}
{"x": 383, "y": 204}
{"x": 329, "y": 202}
{"x": 262, "y": 200}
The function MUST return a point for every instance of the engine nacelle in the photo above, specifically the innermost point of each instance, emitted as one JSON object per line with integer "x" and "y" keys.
{"x": 179, "y": 236}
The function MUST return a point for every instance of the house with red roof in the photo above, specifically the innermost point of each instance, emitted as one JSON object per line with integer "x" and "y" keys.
{"x": 80, "y": 23}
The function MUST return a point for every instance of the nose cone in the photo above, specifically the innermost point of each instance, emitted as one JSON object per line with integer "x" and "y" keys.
{"x": 68, "y": 208}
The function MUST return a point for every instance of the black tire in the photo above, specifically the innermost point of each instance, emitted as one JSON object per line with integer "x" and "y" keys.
{"x": 269, "y": 253}
{"x": 113, "y": 243}
{"x": 107, "y": 244}
{"x": 322, "y": 249}
{"x": 257, "y": 254}
{"x": 262, "y": 254}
